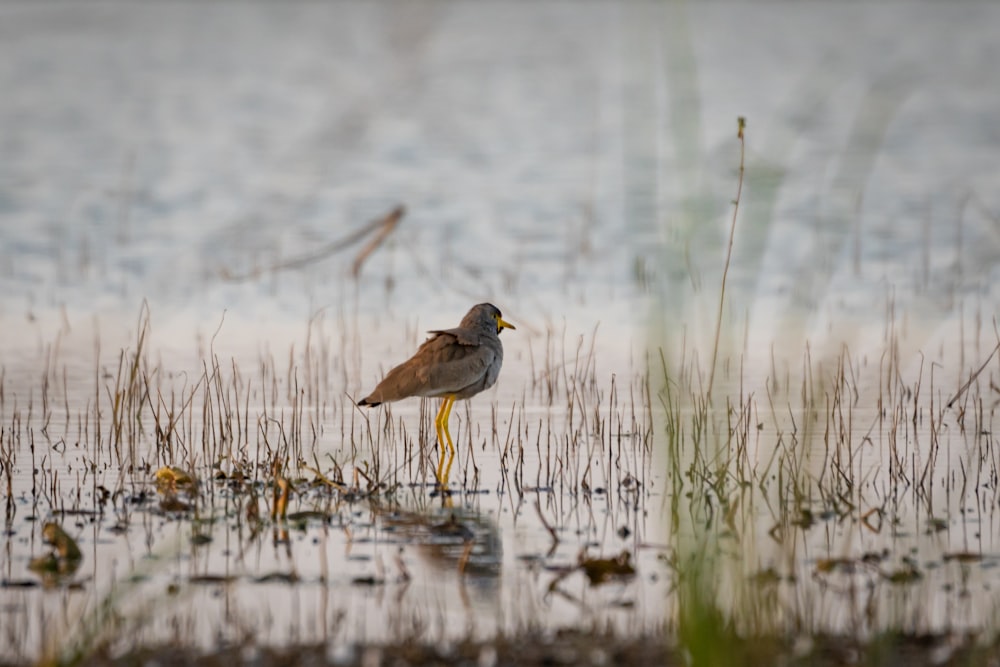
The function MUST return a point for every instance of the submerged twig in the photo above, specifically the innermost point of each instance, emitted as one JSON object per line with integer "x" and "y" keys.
{"x": 552, "y": 533}
{"x": 324, "y": 479}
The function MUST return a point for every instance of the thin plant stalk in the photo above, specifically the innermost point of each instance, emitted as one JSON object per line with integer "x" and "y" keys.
{"x": 741, "y": 125}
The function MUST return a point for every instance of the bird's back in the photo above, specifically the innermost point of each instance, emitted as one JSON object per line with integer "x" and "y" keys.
{"x": 442, "y": 366}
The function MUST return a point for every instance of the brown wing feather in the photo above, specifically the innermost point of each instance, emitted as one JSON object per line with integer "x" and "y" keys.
{"x": 457, "y": 367}
{"x": 441, "y": 366}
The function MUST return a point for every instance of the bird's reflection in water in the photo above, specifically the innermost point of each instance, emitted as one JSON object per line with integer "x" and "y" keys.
{"x": 460, "y": 541}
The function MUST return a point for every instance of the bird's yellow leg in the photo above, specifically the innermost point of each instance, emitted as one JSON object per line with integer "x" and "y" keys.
{"x": 437, "y": 426}
{"x": 441, "y": 423}
{"x": 444, "y": 472}
{"x": 444, "y": 437}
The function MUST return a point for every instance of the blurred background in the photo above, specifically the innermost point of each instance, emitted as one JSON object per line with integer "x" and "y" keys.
{"x": 567, "y": 161}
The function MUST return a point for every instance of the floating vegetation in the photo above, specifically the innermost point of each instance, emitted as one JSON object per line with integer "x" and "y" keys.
{"x": 602, "y": 570}
{"x": 59, "y": 566}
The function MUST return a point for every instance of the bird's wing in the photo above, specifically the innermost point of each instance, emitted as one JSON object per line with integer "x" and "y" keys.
{"x": 463, "y": 336}
{"x": 441, "y": 366}
{"x": 455, "y": 366}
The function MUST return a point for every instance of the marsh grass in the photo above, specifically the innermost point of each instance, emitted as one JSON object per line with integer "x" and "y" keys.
{"x": 826, "y": 512}
{"x": 824, "y": 497}
{"x": 185, "y": 461}
{"x": 845, "y": 492}
{"x": 835, "y": 497}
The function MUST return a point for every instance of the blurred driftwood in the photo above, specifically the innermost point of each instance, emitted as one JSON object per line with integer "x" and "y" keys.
{"x": 381, "y": 227}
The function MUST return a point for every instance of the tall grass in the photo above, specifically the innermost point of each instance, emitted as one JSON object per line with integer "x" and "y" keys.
{"x": 871, "y": 446}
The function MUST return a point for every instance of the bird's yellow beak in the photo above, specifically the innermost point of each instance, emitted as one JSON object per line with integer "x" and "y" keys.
{"x": 504, "y": 325}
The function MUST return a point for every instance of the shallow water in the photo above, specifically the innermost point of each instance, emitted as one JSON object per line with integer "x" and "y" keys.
{"x": 573, "y": 164}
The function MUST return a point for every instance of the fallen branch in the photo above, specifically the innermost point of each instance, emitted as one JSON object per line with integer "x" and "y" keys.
{"x": 387, "y": 225}
{"x": 383, "y": 226}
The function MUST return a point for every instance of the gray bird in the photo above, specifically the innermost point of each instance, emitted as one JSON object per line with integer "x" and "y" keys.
{"x": 452, "y": 364}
